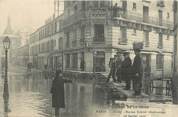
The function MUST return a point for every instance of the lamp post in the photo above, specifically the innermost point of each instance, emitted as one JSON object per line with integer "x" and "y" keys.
{"x": 62, "y": 47}
{"x": 94, "y": 61}
{"x": 6, "y": 44}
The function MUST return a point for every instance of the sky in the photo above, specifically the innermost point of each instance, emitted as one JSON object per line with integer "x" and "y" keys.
{"x": 25, "y": 14}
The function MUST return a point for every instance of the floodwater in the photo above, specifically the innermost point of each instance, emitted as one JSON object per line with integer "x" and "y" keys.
{"x": 30, "y": 97}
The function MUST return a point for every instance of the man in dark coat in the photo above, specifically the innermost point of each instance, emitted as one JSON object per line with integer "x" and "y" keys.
{"x": 118, "y": 67}
{"x": 57, "y": 91}
{"x": 137, "y": 70}
{"x": 126, "y": 70}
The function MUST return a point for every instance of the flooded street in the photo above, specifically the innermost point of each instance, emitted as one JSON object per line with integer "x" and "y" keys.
{"x": 28, "y": 97}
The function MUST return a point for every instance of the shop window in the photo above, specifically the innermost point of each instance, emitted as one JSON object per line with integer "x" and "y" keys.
{"x": 99, "y": 62}
{"x": 159, "y": 61}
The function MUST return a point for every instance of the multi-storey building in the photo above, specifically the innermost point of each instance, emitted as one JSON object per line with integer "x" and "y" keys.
{"x": 93, "y": 31}
{"x": 44, "y": 43}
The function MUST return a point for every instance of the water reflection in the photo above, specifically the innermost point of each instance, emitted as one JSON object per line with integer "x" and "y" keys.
{"x": 30, "y": 96}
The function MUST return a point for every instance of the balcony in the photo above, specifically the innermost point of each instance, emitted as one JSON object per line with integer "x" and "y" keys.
{"x": 130, "y": 15}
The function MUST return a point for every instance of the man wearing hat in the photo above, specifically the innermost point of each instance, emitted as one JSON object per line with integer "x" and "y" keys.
{"x": 126, "y": 69}
{"x": 137, "y": 71}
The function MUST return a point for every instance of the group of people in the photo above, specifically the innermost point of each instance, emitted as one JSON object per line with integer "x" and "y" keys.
{"x": 124, "y": 70}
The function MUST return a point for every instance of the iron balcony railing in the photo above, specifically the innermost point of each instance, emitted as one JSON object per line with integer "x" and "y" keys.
{"x": 130, "y": 15}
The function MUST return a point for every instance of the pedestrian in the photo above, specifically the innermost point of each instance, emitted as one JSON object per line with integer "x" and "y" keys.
{"x": 118, "y": 66}
{"x": 112, "y": 66}
{"x": 57, "y": 91}
{"x": 126, "y": 70}
{"x": 137, "y": 71}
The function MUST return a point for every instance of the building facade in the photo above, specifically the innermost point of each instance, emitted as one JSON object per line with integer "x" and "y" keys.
{"x": 91, "y": 32}
{"x": 44, "y": 44}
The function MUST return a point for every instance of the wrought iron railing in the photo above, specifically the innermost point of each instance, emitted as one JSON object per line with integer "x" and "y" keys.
{"x": 130, "y": 15}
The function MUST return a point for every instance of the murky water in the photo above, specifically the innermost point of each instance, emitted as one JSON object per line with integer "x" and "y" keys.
{"x": 30, "y": 97}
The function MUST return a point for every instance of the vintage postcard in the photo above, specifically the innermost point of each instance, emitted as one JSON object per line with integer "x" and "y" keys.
{"x": 88, "y": 58}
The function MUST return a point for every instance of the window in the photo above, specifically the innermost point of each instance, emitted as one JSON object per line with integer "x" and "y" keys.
{"x": 124, "y": 8}
{"x": 160, "y": 43}
{"x": 159, "y": 61}
{"x": 75, "y": 8}
{"x": 102, "y": 3}
{"x": 168, "y": 16}
{"x": 67, "y": 39}
{"x": 83, "y": 5}
{"x": 145, "y": 14}
{"x": 57, "y": 26}
{"x": 67, "y": 60}
{"x": 124, "y": 5}
{"x": 134, "y": 32}
{"x": 60, "y": 44}
{"x": 82, "y": 62}
{"x": 74, "y": 41}
{"x": 74, "y": 61}
{"x": 99, "y": 33}
{"x": 160, "y": 13}
{"x": 123, "y": 38}
{"x": 146, "y": 38}
{"x": 95, "y": 4}
{"x": 99, "y": 61}
{"x": 160, "y": 3}
{"x": 82, "y": 34}
{"x": 134, "y": 6}
{"x": 168, "y": 37}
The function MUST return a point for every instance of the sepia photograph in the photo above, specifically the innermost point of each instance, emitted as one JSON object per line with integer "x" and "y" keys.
{"x": 88, "y": 58}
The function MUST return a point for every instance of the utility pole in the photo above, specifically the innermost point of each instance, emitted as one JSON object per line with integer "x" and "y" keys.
{"x": 175, "y": 53}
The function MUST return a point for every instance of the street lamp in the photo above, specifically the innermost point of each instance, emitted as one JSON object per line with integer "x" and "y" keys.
{"x": 6, "y": 44}
{"x": 94, "y": 61}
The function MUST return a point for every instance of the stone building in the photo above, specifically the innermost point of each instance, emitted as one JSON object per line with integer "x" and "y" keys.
{"x": 93, "y": 31}
{"x": 45, "y": 44}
